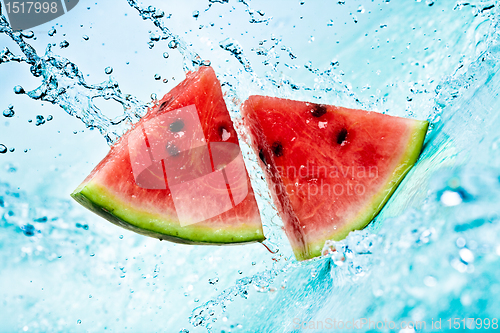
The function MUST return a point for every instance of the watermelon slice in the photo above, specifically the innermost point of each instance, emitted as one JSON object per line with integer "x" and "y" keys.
{"x": 330, "y": 169}
{"x": 178, "y": 174}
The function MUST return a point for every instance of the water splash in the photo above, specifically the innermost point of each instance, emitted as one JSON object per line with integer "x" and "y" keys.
{"x": 63, "y": 84}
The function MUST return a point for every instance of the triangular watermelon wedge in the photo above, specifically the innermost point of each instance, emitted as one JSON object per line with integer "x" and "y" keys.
{"x": 330, "y": 169}
{"x": 178, "y": 174}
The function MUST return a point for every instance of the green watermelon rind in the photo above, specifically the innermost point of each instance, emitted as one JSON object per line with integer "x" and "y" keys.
{"x": 100, "y": 201}
{"x": 410, "y": 157}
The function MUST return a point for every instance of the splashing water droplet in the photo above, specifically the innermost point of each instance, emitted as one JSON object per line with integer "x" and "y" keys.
{"x": 108, "y": 70}
{"x": 78, "y": 321}
{"x": 52, "y": 32}
{"x": 3, "y": 149}
{"x": 28, "y": 34}
{"x": 64, "y": 44}
{"x": 39, "y": 120}
{"x": 19, "y": 90}
{"x": 172, "y": 44}
{"x": 9, "y": 112}
{"x": 165, "y": 55}
{"x": 165, "y": 80}
{"x": 85, "y": 37}
{"x": 196, "y": 13}
{"x": 154, "y": 37}
{"x": 154, "y": 97}
{"x": 157, "y": 76}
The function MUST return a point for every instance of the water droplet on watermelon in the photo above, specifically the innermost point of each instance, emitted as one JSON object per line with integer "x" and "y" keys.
{"x": 108, "y": 70}
{"x": 177, "y": 126}
{"x": 277, "y": 149}
{"x": 224, "y": 133}
{"x": 318, "y": 110}
{"x": 341, "y": 136}
{"x": 172, "y": 150}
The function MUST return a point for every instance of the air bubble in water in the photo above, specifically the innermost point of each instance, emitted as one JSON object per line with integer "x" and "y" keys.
{"x": 3, "y": 149}
{"x": 165, "y": 55}
{"x": 108, "y": 70}
{"x": 157, "y": 76}
{"x": 9, "y": 112}
{"x": 52, "y": 32}
{"x": 64, "y": 44}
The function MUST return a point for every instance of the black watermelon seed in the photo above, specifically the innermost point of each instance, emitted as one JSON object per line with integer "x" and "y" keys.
{"x": 262, "y": 157}
{"x": 177, "y": 125}
{"x": 318, "y": 110}
{"x": 277, "y": 149}
{"x": 172, "y": 150}
{"x": 341, "y": 136}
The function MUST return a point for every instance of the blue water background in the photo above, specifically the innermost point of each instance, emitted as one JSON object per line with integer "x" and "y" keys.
{"x": 433, "y": 252}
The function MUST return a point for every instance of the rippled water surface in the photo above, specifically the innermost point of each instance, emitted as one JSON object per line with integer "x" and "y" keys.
{"x": 70, "y": 87}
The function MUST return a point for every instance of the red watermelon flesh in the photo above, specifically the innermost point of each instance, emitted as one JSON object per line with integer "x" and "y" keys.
{"x": 330, "y": 169}
{"x": 178, "y": 174}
